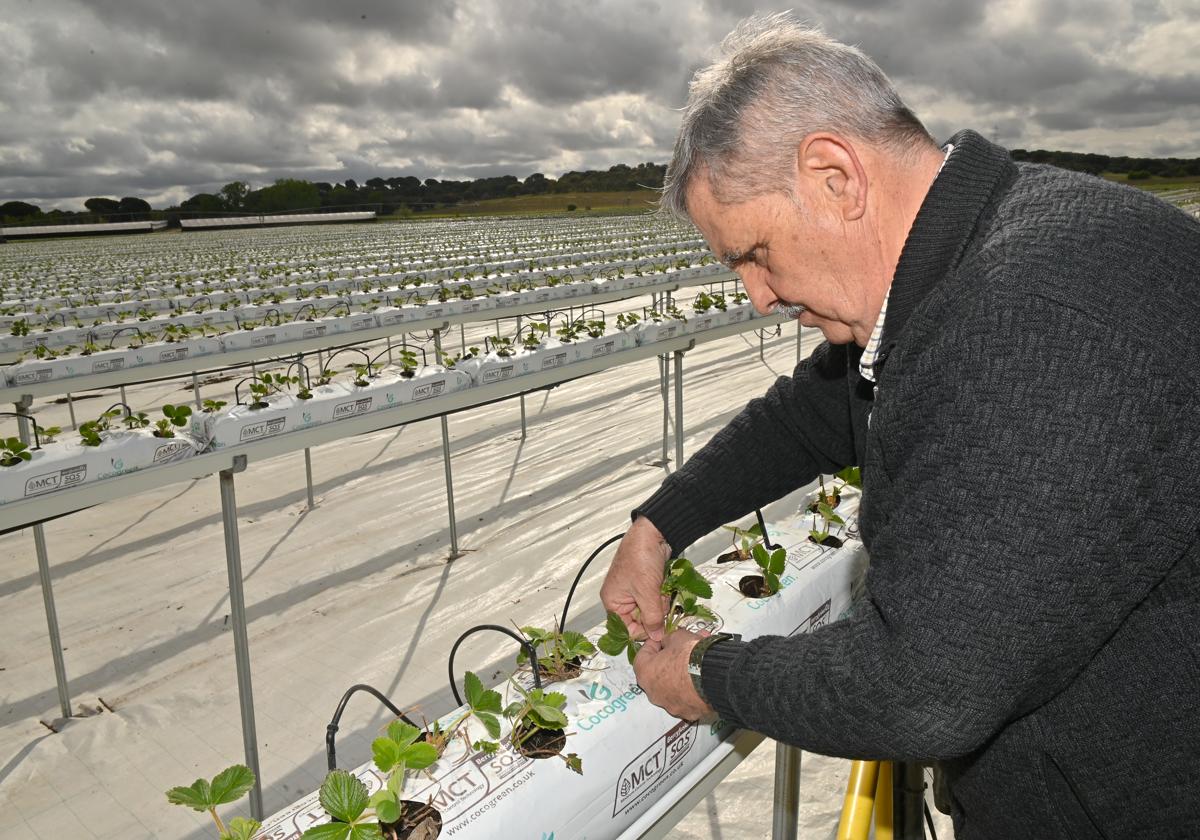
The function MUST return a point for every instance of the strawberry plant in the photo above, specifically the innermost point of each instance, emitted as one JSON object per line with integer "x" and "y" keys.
{"x": 772, "y": 564}
{"x": 823, "y": 517}
{"x": 13, "y": 452}
{"x": 230, "y": 785}
{"x": 538, "y": 722}
{"x": 749, "y": 537}
{"x": 559, "y": 654}
{"x": 140, "y": 420}
{"x": 683, "y": 586}
{"x": 47, "y": 434}
{"x": 20, "y": 327}
{"x": 484, "y": 705}
{"x": 213, "y": 406}
{"x": 626, "y": 320}
{"x": 175, "y": 415}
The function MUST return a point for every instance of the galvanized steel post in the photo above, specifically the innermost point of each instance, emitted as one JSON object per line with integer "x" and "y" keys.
{"x": 237, "y": 617}
{"x": 437, "y": 347}
{"x": 786, "y": 812}
{"x": 43, "y": 561}
{"x": 678, "y": 409}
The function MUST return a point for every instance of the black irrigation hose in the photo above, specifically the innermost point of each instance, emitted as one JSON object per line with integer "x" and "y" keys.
{"x": 332, "y": 728}
{"x": 770, "y": 546}
{"x": 562, "y": 624}
{"x": 530, "y": 651}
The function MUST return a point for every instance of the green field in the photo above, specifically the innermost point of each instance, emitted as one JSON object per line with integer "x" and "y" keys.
{"x": 1156, "y": 184}
{"x": 629, "y": 201}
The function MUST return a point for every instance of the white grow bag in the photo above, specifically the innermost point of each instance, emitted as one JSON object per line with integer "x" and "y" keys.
{"x": 57, "y": 466}
{"x": 637, "y": 759}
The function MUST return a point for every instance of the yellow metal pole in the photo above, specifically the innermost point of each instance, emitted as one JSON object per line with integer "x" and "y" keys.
{"x": 883, "y": 802}
{"x": 860, "y": 799}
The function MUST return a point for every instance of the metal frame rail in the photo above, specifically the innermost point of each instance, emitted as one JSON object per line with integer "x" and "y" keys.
{"x": 227, "y": 462}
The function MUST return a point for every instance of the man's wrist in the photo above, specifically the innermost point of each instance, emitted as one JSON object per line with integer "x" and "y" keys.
{"x": 696, "y": 659}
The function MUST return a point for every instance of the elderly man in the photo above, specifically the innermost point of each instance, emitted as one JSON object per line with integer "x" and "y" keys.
{"x": 1012, "y": 358}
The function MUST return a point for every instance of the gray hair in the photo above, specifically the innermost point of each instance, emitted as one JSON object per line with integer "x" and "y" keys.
{"x": 777, "y": 81}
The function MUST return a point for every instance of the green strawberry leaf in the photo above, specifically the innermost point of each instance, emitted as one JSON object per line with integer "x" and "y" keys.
{"x": 343, "y": 796}
{"x": 196, "y": 796}
{"x": 490, "y": 722}
{"x": 241, "y": 828}
{"x": 403, "y": 733}
{"x": 419, "y": 756}
{"x": 328, "y": 831}
{"x": 574, "y": 762}
{"x": 386, "y": 753}
{"x": 386, "y": 805}
{"x": 474, "y": 689}
{"x": 231, "y": 784}
{"x": 777, "y": 562}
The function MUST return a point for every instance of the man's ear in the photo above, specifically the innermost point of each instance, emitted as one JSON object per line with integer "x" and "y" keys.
{"x": 828, "y": 165}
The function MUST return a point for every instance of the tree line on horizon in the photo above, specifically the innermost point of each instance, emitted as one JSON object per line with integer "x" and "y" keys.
{"x": 410, "y": 194}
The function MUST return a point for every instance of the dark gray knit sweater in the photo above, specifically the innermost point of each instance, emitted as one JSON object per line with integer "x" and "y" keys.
{"x": 1031, "y": 509}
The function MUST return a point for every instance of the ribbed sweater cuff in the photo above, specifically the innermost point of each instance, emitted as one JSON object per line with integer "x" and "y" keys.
{"x": 715, "y": 670}
{"x": 675, "y": 517}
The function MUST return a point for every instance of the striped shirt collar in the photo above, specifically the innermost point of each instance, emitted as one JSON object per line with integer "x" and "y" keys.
{"x": 866, "y": 364}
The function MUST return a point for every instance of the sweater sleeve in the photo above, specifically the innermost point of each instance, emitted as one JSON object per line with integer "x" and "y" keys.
{"x": 1030, "y": 494}
{"x": 802, "y": 427}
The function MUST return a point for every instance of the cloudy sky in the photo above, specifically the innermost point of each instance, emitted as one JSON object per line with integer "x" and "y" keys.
{"x": 165, "y": 98}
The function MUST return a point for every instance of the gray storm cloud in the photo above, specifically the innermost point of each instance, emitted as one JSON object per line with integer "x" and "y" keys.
{"x": 164, "y": 99}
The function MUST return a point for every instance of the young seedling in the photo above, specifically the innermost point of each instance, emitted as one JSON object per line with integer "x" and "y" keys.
{"x": 502, "y": 346}
{"x": 13, "y": 452}
{"x": 213, "y": 406}
{"x": 407, "y": 359}
{"x": 230, "y": 785}
{"x": 539, "y": 711}
{"x": 748, "y": 537}
{"x": 772, "y": 565}
{"x": 139, "y": 420}
{"x": 594, "y": 329}
{"x": 820, "y": 532}
{"x": 484, "y": 705}
{"x": 683, "y": 586}
{"x": 20, "y": 327}
{"x": 364, "y": 373}
{"x": 47, "y": 434}
{"x": 537, "y": 333}
{"x": 626, "y": 320}
{"x": 175, "y": 415}
{"x": 396, "y": 754}
{"x": 559, "y": 654}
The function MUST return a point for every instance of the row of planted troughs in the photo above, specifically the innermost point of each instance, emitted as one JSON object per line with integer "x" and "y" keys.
{"x": 54, "y": 271}
{"x": 326, "y": 310}
{"x": 59, "y": 354}
{"x": 275, "y": 404}
{"x": 569, "y": 741}
{"x": 149, "y": 298}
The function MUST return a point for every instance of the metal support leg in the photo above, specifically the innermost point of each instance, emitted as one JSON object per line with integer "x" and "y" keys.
{"x": 908, "y": 799}
{"x": 389, "y": 345}
{"x": 437, "y": 346}
{"x": 308, "y": 476}
{"x": 799, "y": 342}
{"x": 678, "y": 409}
{"x": 196, "y": 390}
{"x": 241, "y": 644}
{"x": 664, "y": 381}
{"x": 124, "y": 399}
{"x": 71, "y": 409}
{"x": 786, "y": 812}
{"x": 43, "y": 561}
{"x": 462, "y": 337}
{"x": 523, "y": 429}
{"x": 761, "y": 340}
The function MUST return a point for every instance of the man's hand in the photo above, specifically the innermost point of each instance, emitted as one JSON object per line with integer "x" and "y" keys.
{"x": 632, "y": 587}
{"x": 662, "y": 673}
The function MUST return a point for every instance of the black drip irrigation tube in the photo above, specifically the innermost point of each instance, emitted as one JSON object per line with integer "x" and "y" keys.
{"x": 530, "y": 650}
{"x": 767, "y": 544}
{"x": 562, "y": 624}
{"x": 332, "y": 728}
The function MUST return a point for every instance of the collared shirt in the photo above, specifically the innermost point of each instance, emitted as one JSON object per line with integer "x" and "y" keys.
{"x": 866, "y": 364}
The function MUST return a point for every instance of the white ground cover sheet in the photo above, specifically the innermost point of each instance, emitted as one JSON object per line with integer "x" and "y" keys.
{"x": 356, "y": 590}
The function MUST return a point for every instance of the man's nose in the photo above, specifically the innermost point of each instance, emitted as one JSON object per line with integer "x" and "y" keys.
{"x": 759, "y": 294}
